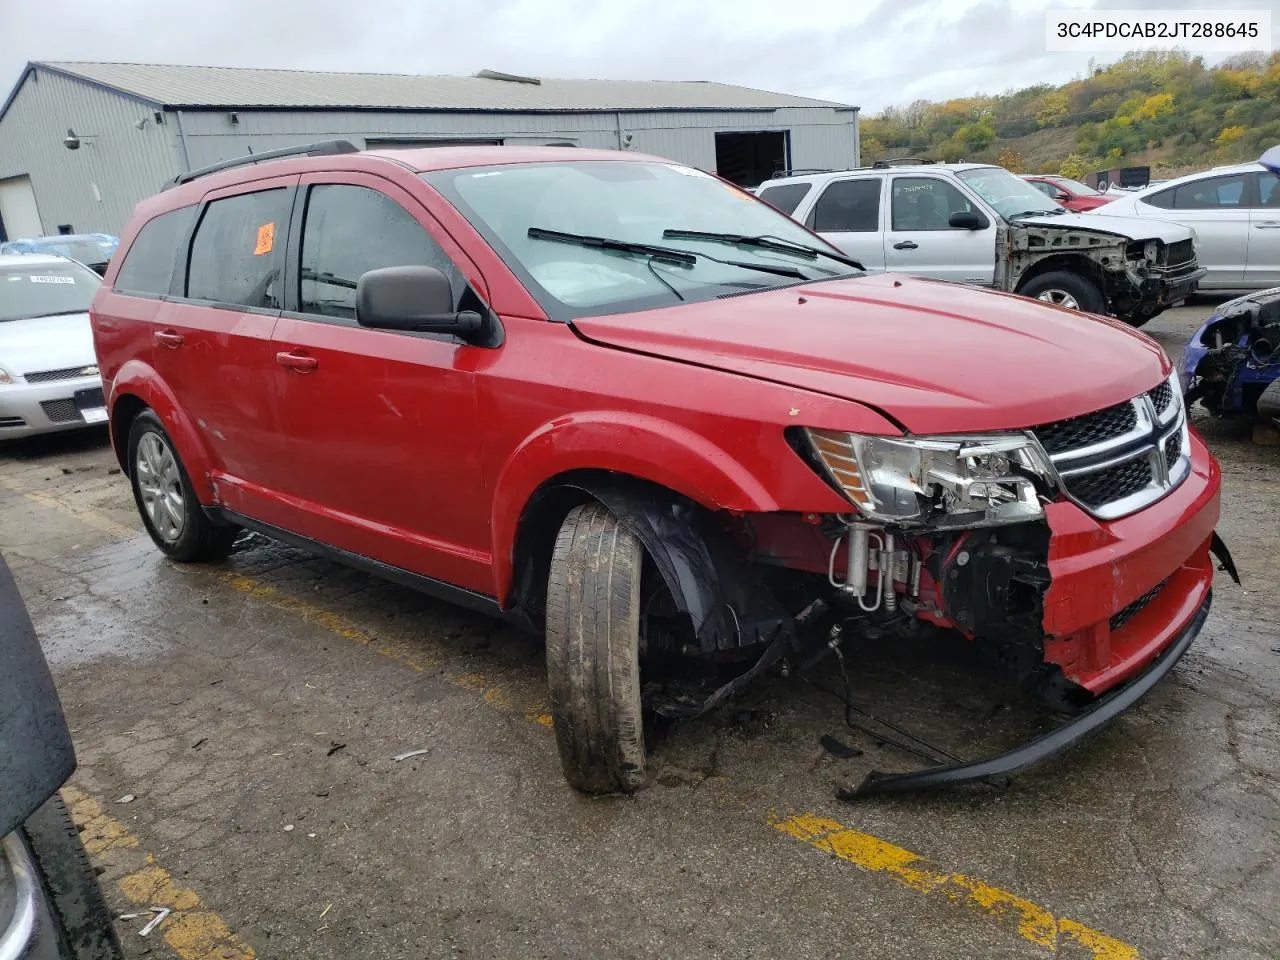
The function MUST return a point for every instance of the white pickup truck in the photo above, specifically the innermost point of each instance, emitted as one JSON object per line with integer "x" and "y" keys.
{"x": 976, "y": 223}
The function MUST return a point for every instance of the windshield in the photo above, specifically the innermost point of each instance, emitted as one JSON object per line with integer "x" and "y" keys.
{"x": 633, "y": 202}
{"x": 45, "y": 289}
{"x": 1010, "y": 196}
{"x": 1078, "y": 188}
{"x": 88, "y": 250}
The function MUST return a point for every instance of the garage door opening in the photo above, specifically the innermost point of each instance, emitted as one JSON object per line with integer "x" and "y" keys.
{"x": 749, "y": 159}
{"x": 18, "y": 209}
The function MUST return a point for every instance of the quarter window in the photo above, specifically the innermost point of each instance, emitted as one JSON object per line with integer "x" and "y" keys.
{"x": 925, "y": 203}
{"x": 849, "y": 206}
{"x": 785, "y": 197}
{"x": 148, "y": 266}
{"x": 1268, "y": 190}
{"x": 350, "y": 230}
{"x": 234, "y": 254}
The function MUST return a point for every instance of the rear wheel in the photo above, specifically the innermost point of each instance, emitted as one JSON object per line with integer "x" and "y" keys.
{"x": 593, "y": 658}
{"x": 79, "y": 913}
{"x": 1063, "y": 288}
{"x": 168, "y": 505}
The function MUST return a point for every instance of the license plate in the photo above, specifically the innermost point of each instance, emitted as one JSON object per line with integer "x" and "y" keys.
{"x": 94, "y": 415}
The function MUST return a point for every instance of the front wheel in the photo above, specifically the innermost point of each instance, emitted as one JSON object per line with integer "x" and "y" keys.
{"x": 1065, "y": 289}
{"x": 593, "y": 651}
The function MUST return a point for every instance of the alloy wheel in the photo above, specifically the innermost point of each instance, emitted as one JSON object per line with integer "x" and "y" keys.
{"x": 1059, "y": 298}
{"x": 160, "y": 486}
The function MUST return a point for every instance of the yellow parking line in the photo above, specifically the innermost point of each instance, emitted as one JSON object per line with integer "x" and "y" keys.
{"x": 1031, "y": 921}
{"x": 86, "y": 515}
{"x": 193, "y": 932}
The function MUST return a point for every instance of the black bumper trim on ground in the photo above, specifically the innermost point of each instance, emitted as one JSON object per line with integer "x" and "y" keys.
{"x": 1102, "y": 712}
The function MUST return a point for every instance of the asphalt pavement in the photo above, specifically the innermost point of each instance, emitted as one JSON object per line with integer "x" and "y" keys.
{"x": 241, "y": 729}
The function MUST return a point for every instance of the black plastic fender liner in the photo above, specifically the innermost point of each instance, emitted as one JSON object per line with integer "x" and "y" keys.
{"x": 708, "y": 580}
{"x": 1093, "y": 718}
{"x": 1219, "y": 549}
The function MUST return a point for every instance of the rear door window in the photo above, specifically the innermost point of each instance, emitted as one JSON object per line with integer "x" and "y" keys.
{"x": 235, "y": 255}
{"x": 350, "y": 230}
{"x": 1213, "y": 193}
{"x": 785, "y": 197}
{"x": 148, "y": 266}
{"x": 849, "y": 206}
{"x": 1268, "y": 190}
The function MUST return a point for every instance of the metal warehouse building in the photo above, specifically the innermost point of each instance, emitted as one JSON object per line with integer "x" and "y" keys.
{"x": 81, "y": 143}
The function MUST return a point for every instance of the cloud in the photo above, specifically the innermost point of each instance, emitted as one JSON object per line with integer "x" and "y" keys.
{"x": 870, "y": 54}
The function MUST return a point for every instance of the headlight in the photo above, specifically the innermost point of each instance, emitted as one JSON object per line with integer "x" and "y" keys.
{"x": 960, "y": 481}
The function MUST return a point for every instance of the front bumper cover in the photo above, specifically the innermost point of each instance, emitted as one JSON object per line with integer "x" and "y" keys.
{"x": 1097, "y": 715}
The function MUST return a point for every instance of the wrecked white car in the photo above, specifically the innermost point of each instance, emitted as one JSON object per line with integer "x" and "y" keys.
{"x": 979, "y": 224}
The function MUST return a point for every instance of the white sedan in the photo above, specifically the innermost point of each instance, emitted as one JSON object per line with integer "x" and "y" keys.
{"x": 48, "y": 370}
{"x": 1235, "y": 212}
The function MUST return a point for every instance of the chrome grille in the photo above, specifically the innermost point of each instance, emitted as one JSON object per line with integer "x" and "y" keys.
{"x": 1116, "y": 461}
{"x": 1118, "y": 620}
{"x": 66, "y": 373}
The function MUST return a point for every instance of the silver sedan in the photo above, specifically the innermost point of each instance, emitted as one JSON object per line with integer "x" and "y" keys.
{"x": 48, "y": 369}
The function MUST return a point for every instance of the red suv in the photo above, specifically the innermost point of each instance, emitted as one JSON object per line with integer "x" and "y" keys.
{"x": 618, "y": 400}
{"x": 1072, "y": 194}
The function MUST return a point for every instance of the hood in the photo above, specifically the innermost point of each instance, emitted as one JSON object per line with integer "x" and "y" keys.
{"x": 1132, "y": 228}
{"x": 937, "y": 357}
{"x": 46, "y": 343}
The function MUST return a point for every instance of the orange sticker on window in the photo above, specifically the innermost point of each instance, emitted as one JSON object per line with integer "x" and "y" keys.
{"x": 266, "y": 239}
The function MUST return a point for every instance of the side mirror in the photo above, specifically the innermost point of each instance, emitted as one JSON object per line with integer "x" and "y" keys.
{"x": 415, "y": 298}
{"x": 1062, "y": 196}
{"x": 968, "y": 220}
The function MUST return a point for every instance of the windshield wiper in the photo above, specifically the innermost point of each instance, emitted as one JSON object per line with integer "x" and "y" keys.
{"x": 669, "y": 254}
{"x": 764, "y": 242}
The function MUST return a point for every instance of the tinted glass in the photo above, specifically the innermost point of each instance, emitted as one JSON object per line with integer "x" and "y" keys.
{"x": 1210, "y": 194}
{"x": 924, "y": 203}
{"x": 786, "y": 197}
{"x": 148, "y": 266}
{"x": 234, "y": 254}
{"x": 1268, "y": 190}
{"x": 350, "y": 230}
{"x": 849, "y": 206}
{"x": 45, "y": 290}
{"x": 1163, "y": 199}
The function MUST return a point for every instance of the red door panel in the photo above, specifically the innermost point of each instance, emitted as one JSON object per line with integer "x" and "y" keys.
{"x": 381, "y": 427}
{"x": 213, "y": 347}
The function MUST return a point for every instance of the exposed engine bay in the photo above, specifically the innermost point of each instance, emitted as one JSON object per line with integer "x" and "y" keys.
{"x": 1138, "y": 278}
{"x": 1233, "y": 362}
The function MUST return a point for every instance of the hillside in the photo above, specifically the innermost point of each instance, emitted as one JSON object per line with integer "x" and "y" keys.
{"x": 1166, "y": 110}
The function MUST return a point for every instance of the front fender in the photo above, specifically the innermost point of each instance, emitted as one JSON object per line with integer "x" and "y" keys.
{"x": 138, "y": 379}
{"x": 640, "y": 446}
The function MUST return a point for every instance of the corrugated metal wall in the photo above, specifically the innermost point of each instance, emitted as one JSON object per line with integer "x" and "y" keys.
{"x": 820, "y": 137}
{"x": 93, "y": 188}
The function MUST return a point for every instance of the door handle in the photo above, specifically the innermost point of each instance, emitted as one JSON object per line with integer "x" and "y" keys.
{"x": 303, "y": 363}
{"x": 168, "y": 338}
{"x": 906, "y": 245}
{"x": 1266, "y": 226}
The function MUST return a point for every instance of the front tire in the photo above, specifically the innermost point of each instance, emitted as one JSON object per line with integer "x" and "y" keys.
{"x": 162, "y": 490}
{"x": 593, "y": 644}
{"x": 79, "y": 912}
{"x": 1063, "y": 288}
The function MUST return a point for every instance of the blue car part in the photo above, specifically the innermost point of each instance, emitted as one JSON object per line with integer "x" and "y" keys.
{"x": 1234, "y": 357}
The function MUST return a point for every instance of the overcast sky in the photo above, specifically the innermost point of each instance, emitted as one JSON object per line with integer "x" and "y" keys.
{"x": 871, "y": 53}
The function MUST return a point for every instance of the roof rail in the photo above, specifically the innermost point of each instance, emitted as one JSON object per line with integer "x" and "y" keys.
{"x": 321, "y": 148}
{"x": 896, "y": 161}
{"x": 798, "y": 172}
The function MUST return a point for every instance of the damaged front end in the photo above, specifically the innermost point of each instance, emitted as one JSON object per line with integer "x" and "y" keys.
{"x": 1077, "y": 552}
{"x": 1231, "y": 365}
{"x": 1137, "y": 278}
